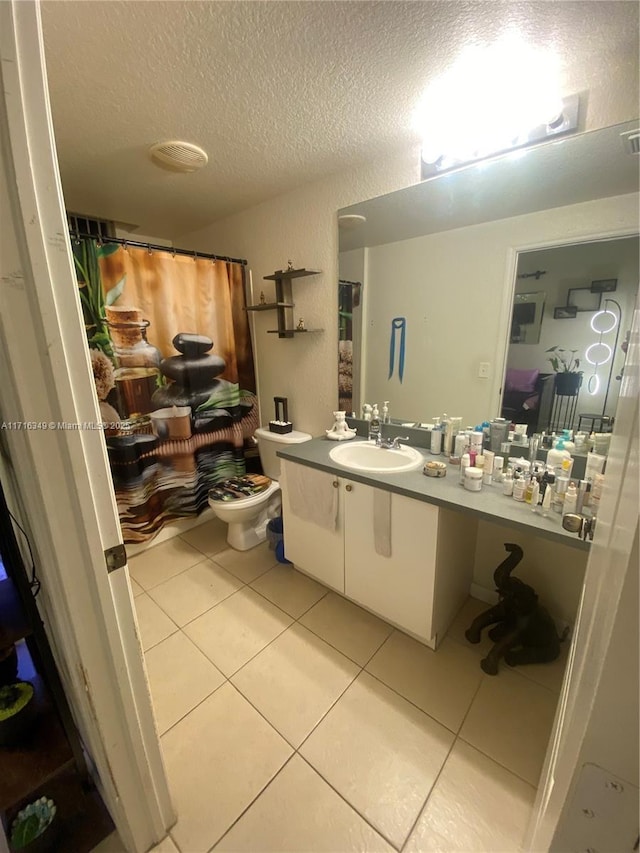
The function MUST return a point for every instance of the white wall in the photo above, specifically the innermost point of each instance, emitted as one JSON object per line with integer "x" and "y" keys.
{"x": 301, "y": 226}
{"x": 452, "y": 288}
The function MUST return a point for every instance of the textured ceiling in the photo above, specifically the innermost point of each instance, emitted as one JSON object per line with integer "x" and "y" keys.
{"x": 278, "y": 93}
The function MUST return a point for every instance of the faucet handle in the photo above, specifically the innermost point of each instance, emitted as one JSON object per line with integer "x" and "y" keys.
{"x": 396, "y": 441}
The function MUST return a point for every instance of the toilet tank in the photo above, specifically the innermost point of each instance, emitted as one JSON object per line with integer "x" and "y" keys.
{"x": 270, "y": 442}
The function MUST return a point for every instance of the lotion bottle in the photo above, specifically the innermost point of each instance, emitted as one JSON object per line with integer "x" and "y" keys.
{"x": 535, "y": 494}
{"x": 519, "y": 486}
{"x": 385, "y": 413}
{"x": 436, "y": 441}
{"x": 507, "y": 483}
{"x": 465, "y": 462}
{"x": 570, "y": 499}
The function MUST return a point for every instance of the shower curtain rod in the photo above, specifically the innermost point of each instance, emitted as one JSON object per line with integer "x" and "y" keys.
{"x": 151, "y": 247}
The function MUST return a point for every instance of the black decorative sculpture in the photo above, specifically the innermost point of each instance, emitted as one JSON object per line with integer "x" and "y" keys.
{"x": 525, "y": 632}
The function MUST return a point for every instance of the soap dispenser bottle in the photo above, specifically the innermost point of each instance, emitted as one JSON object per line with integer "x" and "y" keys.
{"x": 374, "y": 424}
{"x": 385, "y": 413}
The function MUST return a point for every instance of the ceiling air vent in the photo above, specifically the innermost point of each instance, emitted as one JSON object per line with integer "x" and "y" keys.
{"x": 178, "y": 156}
{"x": 631, "y": 141}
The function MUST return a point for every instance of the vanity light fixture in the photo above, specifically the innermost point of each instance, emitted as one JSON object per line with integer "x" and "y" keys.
{"x": 492, "y": 100}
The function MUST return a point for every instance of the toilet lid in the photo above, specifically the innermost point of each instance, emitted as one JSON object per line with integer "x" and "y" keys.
{"x": 239, "y": 488}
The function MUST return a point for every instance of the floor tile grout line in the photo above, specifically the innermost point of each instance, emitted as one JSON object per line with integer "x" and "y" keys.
{"x": 246, "y": 809}
{"x": 271, "y": 601}
{"x": 226, "y": 598}
{"x": 197, "y": 705}
{"x": 330, "y": 708}
{"x": 261, "y": 713}
{"x": 350, "y": 805}
{"x": 499, "y": 763}
{"x": 181, "y": 572}
{"x": 410, "y": 701}
{"x": 199, "y": 614}
{"x": 422, "y": 808}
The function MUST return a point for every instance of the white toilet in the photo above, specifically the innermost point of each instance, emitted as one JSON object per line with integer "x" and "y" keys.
{"x": 248, "y": 517}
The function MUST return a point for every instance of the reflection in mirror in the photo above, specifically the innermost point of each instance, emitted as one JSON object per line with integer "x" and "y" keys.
{"x": 526, "y": 318}
{"x": 438, "y": 261}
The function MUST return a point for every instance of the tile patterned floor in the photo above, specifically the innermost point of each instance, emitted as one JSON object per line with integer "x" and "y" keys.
{"x": 293, "y": 720}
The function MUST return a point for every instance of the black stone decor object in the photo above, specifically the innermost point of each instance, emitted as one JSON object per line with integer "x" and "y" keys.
{"x": 524, "y": 631}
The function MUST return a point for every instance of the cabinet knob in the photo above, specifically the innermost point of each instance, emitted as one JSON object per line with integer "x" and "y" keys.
{"x": 349, "y": 488}
{"x": 335, "y": 484}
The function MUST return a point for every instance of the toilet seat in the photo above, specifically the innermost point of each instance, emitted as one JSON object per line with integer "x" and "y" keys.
{"x": 246, "y": 502}
{"x": 239, "y": 489}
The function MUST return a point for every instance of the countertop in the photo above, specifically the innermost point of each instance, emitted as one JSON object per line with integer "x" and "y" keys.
{"x": 489, "y": 504}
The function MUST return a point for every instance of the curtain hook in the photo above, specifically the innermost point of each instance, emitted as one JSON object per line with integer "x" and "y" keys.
{"x": 195, "y": 256}
{"x": 149, "y": 250}
{"x": 173, "y": 252}
{"x": 125, "y": 246}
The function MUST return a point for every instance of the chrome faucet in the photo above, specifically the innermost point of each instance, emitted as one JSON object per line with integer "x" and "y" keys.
{"x": 391, "y": 443}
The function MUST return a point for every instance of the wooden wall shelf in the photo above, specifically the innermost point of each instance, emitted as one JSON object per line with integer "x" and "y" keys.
{"x": 284, "y": 303}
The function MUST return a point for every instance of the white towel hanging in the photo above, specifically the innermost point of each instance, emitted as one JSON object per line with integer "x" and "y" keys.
{"x": 312, "y": 496}
{"x": 382, "y": 522}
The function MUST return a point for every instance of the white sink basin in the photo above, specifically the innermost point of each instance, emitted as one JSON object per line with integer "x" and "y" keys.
{"x": 362, "y": 456}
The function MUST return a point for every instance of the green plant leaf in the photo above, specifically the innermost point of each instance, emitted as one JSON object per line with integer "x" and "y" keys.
{"x": 107, "y": 249}
{"x": 25, "y": 831}
{"x": 116, "y": 291}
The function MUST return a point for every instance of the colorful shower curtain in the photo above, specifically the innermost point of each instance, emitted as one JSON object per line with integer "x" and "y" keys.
{"x": 348, "y": 299}
{"x": 173, "y": 369}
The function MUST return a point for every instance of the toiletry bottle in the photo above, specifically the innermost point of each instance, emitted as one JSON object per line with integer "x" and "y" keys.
{"x": 583, "y": 491}
{"x": 528, "y": 491}
{"x": 596, "y": 492}
{"x": 546, "y": 500}
{"x": 519, "y": 485}
{"x": 567, "y": 467}
{"x": 447, "y": 435}
{"x": 465, "y": 462}
{"x": 535, "y": 494}
{"x": 489, "y": 460}
{"x": 570, "y": 499}
{"x": 436, "y": 441}
{"x": 374, "y": 424}
{"x": 569, "y": 445}
{"x": 556, "y": 456}
{"x": 385, "y": 413}
{"x": 498, "y": 463}
{"x": 473, "y": 479}
{"x": 507, "y": 483}
{"x": 595, "y": 465}
{"x": 366, "y": 412}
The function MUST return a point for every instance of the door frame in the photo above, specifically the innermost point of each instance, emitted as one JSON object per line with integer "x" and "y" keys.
{"x": 58, "y": 480}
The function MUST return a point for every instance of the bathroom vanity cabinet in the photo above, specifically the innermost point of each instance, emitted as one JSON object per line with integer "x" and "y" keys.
{"x": 423, "y": 583}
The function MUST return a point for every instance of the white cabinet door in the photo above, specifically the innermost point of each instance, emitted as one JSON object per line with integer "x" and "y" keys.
{"x": 400, "y": 588}
{"x": 313, "y": 549}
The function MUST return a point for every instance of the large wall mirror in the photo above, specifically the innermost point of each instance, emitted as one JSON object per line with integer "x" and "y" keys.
{"x": 467, "y": 279}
